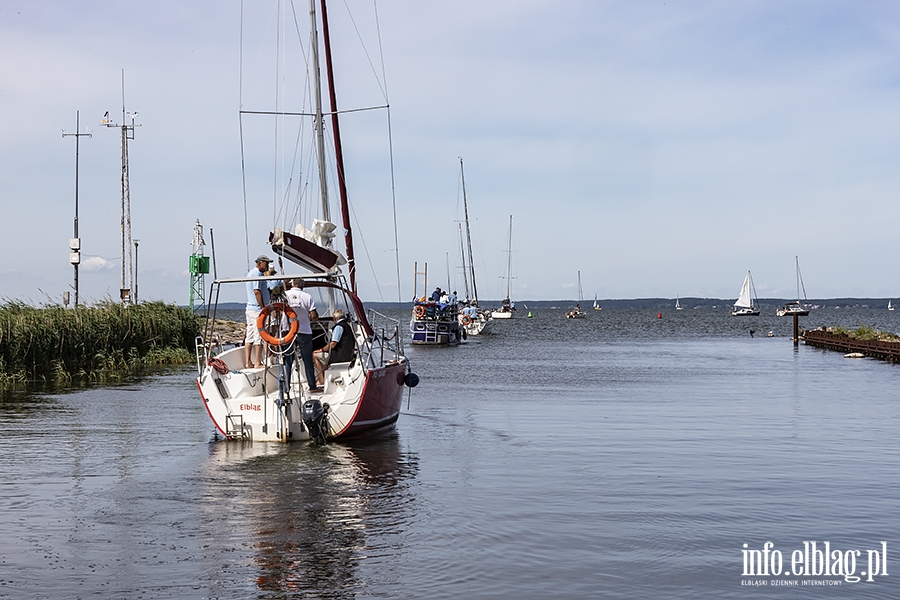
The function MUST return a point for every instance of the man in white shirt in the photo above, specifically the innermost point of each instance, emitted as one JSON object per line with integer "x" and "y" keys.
{"x": 305, "y": 307}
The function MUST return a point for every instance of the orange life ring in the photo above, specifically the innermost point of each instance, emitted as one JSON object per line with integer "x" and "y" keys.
{"x": 419, "y": 312}
{"x": 292, "y": 318}
{"x": 466, "y": 320}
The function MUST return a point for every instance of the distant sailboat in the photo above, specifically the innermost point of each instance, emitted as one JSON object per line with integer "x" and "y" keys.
{"x": 596, "y": 306}
{"x": 747, "y": 304}
{"x": 890, "y": 306}
{"x": 577, "y": 313}
{"x": 677, "y": 304}
{"x": 795, "y": 307}
{"x": 508, "y": 307}
{"x": 474, "y": 319}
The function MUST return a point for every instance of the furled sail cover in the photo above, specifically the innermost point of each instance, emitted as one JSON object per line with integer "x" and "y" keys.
{"x": 307, "y": 247}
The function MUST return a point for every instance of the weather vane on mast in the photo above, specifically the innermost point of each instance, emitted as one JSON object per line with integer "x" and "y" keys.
{"x": 125, "y": 291}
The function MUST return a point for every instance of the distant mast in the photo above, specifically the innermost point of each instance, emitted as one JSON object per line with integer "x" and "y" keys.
{"x": 509, "y": 261}
{"x": 468, "y": 233}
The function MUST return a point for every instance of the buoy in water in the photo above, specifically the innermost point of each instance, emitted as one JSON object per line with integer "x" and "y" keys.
{"x": 659, "y": 315}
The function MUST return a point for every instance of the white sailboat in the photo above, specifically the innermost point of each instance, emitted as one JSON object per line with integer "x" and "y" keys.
{"x": 795, "y": 307}
{"x": 596, "y": 305}
{"x": 747, "y": 305}
{"x": 507, "y": 308}
{"x": 358, "y": 393}
{"x": 890, "y": 306}
{"x": 577, "y": 313}
{"x": 677, "y": 304}
{"x": 474, "y": 319}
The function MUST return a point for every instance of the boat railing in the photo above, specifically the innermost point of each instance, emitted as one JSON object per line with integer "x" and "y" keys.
{"x": 387, "y": 340}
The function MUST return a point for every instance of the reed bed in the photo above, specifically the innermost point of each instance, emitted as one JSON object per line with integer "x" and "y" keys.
{"x": 864, "y": 332}
{"x": 99, "y": 343}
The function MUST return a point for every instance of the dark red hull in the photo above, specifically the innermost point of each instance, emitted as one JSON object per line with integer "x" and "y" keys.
{"x": 379, "y": 405}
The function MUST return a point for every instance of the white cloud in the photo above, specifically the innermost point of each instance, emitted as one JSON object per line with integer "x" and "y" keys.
{"x": 97, "y": 263}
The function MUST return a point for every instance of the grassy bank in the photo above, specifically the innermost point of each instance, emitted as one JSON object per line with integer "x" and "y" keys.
{"x": 864, "y": 333}
{"x": 105, "y": 341}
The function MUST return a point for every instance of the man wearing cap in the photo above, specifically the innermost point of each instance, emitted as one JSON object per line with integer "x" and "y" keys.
{"x": 257, "y": 298}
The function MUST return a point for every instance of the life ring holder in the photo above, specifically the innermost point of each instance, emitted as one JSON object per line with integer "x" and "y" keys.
{"x": 466, "y": 320}
{"x": 419, "y": 312}
{"x": 292, "y": 318}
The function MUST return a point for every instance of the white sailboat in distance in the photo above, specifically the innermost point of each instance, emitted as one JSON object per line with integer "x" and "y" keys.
{"x": 747, "y": 304}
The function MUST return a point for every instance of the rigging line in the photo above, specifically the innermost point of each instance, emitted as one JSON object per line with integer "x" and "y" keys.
{"x": 366, "y": 250}
{"x": 283, "y": 212}
{"x": 325, "y": 113}
{"x": 390, "y": 152}
{"x": 286, "y": 197}
{"x": 241, "y": 128}
{"x": 365, "y": 50}
{"x": 394, "y": 207}
{"x": 302, "y": 184}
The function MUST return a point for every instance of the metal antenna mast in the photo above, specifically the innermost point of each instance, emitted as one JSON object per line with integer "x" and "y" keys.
{"x": 125, "y": 291}
{"x": 199, "y": 266}
{"x": 75, "y": 242}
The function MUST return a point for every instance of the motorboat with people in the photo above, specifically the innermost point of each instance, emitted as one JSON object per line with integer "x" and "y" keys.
{"x": 435, "y": 319}
{"x": 358, "y": 388}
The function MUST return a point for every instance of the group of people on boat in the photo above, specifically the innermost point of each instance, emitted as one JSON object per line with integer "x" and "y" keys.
{"x": 440, "y": 304}
{"x": 260, "y": 292}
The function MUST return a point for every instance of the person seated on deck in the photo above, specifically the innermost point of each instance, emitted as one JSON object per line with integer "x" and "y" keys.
{"x": 338, "y": 350}
{"x": 436, "y": 295}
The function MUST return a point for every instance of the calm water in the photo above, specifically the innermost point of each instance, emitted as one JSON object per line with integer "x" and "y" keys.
{"x": 619, "y": 456}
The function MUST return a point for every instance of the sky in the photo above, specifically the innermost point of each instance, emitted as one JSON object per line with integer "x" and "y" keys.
{"x": 659, "y": 149}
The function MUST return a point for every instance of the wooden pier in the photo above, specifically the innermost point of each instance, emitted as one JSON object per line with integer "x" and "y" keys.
{"x": 843, "y": 343}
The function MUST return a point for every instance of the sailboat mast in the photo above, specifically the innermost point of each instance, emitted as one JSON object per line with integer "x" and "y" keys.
{"x": 320, "y": 131}
{"x": 338, "y": 151}
{"x": 509, "y": 258}
{"x": 462, "y": 253}
{"x": 468, "y": 233}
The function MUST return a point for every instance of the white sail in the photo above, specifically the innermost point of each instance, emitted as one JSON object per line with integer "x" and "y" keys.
{"x": 744, "y": 300}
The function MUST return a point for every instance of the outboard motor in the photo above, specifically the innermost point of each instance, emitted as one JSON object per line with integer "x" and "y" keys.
{"x": 315, "y": 417}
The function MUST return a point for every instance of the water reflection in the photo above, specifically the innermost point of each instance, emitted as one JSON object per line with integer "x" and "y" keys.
{"x": 310, "y": 517}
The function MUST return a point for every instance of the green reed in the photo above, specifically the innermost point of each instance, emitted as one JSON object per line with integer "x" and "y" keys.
{"x": 53, "y": 343}
{"x": 865, "y": 333}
